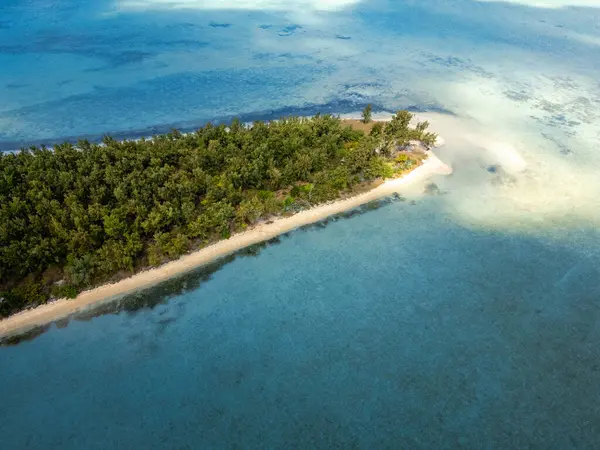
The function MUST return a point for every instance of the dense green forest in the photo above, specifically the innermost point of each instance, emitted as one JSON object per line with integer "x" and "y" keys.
{"x": 79, "y": 215}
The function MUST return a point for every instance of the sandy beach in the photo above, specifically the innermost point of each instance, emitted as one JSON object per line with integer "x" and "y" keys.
{"x": 47, "y": 313}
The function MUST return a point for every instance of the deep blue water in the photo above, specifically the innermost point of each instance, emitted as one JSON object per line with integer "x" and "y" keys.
{"x": 468, "y": 319}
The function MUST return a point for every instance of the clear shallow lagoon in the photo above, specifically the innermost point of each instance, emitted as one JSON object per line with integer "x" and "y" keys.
{"x": 432, "y": 336}
{"x": 466, "y": 319}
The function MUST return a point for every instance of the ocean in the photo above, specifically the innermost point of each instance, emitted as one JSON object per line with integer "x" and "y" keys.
{"x": 465, "y": 314}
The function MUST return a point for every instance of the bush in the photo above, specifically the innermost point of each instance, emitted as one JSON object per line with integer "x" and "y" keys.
{"x": 380, "y": 168}
{"x": 367, "y": 114}
{"x": 65, "y": 291}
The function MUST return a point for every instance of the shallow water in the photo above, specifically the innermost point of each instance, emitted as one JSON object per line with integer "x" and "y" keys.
{"x": 466, "y": 319}
{"x": 429, "y": 336}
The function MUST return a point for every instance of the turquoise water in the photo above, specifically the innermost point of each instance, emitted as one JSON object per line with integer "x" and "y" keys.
{"x": 429, "y": 337}
{"x": 468, "y": 319}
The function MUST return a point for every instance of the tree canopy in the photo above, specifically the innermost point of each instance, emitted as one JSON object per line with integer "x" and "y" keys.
{"x": 79, "y": 215}
{"x": 366, "y": 114}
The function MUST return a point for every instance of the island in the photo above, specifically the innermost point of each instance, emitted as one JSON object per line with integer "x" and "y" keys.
{"x": 89, "y": 221}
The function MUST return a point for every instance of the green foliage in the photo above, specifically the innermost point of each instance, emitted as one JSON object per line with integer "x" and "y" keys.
{"x": 404, "y": 162}
{"x": 288, "y": 202}
{"x": 367, "y": 113}
{"x": 402, "y": 158}
{"x": 398, "y": 131}
{"x": 91, "y": 211}
{"x": 376, "y": 130}
{"x": 80, "y": 271}
{"x": 64, "y": 291}
{"x": 379, "y": 167}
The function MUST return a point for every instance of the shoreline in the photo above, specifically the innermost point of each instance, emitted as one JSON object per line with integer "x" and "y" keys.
{"x": 44, "y": 314}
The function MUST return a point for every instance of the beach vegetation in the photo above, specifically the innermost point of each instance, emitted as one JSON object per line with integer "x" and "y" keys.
{"x": 79, "y": 215}
{"x": 367, "y": 114}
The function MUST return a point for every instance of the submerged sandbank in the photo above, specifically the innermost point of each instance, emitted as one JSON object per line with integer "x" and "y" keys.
{"x": 49, "y": 312}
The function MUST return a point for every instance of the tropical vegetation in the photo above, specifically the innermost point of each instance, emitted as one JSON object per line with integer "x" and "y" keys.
{"x": 367, "y": 114}
{"x": 75, "y": 216}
